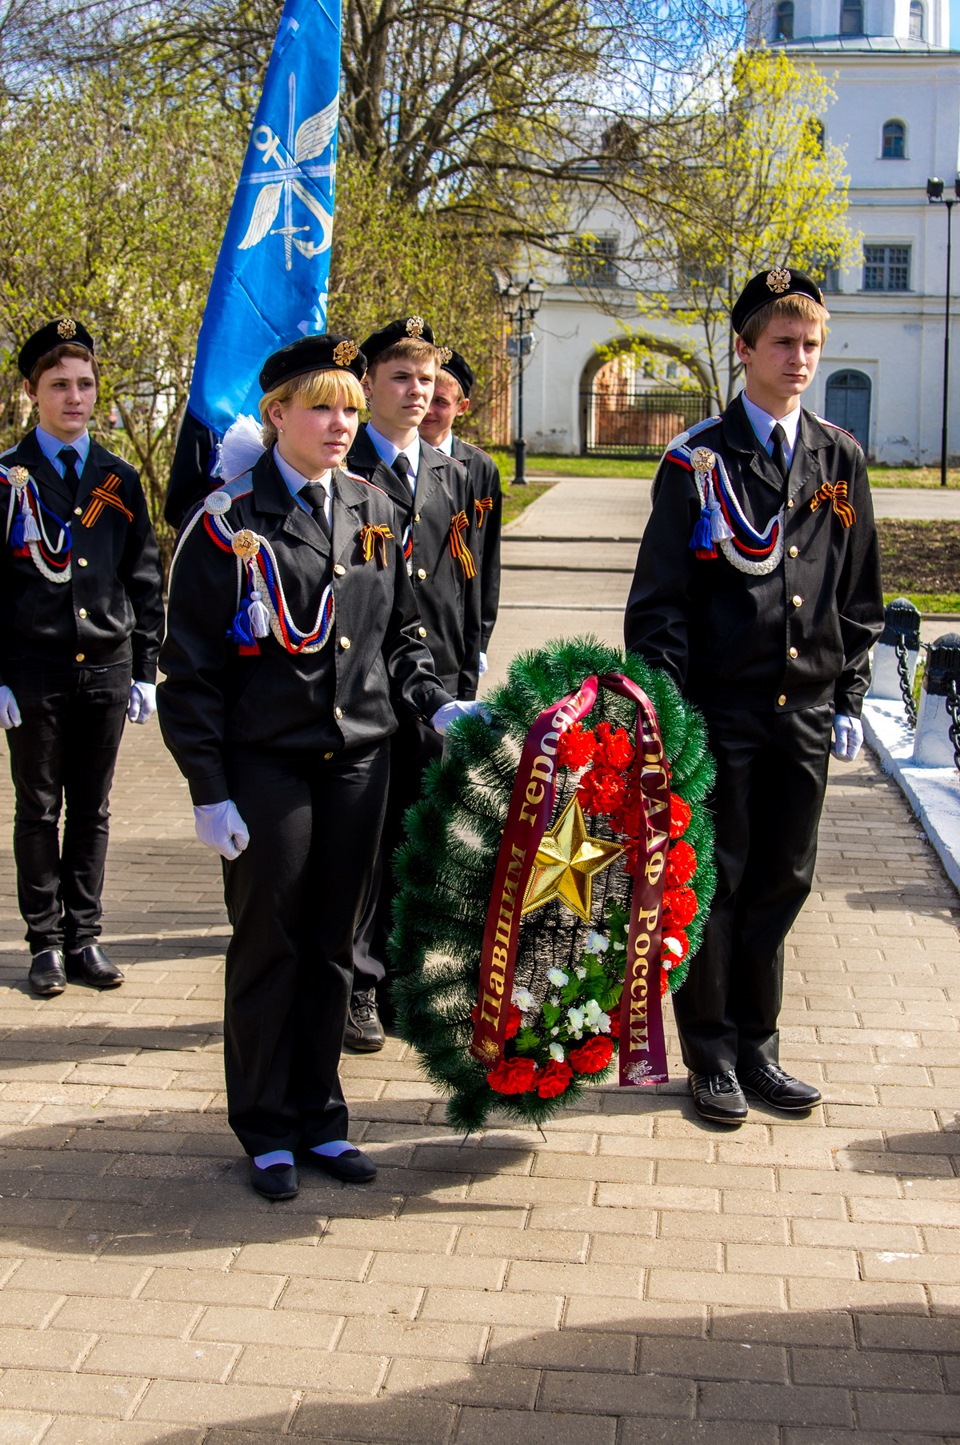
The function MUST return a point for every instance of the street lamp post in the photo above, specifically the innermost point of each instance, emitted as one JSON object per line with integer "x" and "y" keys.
{"x": 935, "y": 196}
{"x": 520, "y": 304}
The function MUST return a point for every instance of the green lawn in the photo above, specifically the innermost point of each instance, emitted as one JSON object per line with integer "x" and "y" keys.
{"x": 546, "y": 466}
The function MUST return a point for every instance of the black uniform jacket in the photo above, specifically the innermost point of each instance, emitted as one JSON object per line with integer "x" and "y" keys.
{"x": 111, "y": 609}
{"x": 339, "y": 697}
{"x": 794, "y": 638}
{"x": 448, "y": 601}
{"x": 486, "y": 484}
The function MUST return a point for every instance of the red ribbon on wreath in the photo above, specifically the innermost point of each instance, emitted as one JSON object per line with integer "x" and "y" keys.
{"x": 643, "y": 1057}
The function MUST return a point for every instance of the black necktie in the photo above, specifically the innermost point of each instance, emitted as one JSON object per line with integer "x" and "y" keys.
{"x": 778, "y": 436}
{"x": 315, "y": 494}
{"x": 401, "y": 465}
{"x": 70, "y": 456}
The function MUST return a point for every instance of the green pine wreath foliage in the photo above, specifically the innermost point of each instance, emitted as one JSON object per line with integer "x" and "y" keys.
{"x": 445, "y": 868}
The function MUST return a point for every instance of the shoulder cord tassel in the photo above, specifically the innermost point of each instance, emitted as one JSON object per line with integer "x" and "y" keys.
{"x": 458, "y": 547}
{"x": 257, "y": 613}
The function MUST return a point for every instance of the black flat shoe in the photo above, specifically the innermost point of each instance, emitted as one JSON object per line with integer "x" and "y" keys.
{"x": 352, "y": 1166}
{"x": 91, "y": 965}
{"x": 364, "y": 1031}
{"x": 277, "y": 1181}
{"x": 46, "y": 976}
{"x": 718, "y": 1098}
{"x": 780, "y": 1090}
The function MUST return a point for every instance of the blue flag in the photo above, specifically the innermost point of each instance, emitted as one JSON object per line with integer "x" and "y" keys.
{"x": 270, "y": 283}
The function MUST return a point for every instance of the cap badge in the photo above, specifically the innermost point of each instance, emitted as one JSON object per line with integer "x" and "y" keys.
{"x": 446, "y": 354}
{"x": 778, "y": 280}
{"x": 67, "y": 328}
{"x": 344, "y": 352}
{"x": 18, "y": 477}
{"x": 246, "y": 544}
{"x": 415, "y": 326}
{"x": 703, "y": 460}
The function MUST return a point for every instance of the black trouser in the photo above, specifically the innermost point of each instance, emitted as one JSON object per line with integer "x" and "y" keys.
{"x": 413, "y": 746}
{"x": 294, "y": 897}
{"x": 63, "y": 752}
{"x": 771, "y": 777}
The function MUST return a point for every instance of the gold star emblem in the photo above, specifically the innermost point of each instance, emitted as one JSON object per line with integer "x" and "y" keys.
{"x": 566, "y": 862}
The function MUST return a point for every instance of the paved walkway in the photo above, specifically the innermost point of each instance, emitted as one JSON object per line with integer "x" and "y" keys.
{"x": 633, "y": 1277}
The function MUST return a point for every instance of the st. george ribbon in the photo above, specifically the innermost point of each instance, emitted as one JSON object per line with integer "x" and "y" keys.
{"x": 643, "y": 1058}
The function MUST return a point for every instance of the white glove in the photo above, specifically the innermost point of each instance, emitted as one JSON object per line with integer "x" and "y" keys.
{"x": 143, "y": 701}
{"x": 483, "y": 663}
{"x": 221, "y": 827}
{"x": 451, "y": 711}
{"x": 9, "y": 712}
{"x": 847, "y": 737}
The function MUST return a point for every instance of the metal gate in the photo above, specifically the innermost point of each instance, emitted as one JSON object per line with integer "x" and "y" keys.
{"x": 622, "y": 421}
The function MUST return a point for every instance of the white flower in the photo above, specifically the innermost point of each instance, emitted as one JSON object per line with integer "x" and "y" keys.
{"x": 596, "y": 943}
{"x": 673, "y": 945}
{"x": 575, "y": 1022}
{"x": 580, "y": 972}
{"x": 557, "y": 977}
{"x": 554, "y": 1033}
{"x": 523, "y": 999}
{"x": 556, "y": 1052}
{"x": 619, "y": 944}
{"x": 555, "y": 1000}
{"x": 596, "y": 1018}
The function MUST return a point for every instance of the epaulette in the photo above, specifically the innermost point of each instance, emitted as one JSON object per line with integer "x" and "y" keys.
{"x": 241, "y": 486}
{"x": 685, "y": 436}
{"x": 366, "y": 482}
{"x": 825, "y": 421}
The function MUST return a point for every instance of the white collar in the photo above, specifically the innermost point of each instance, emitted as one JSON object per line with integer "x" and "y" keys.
{"x": 388, "y": 451}
{"x": 763, "y": 424}
{"x": 296, "y": 480}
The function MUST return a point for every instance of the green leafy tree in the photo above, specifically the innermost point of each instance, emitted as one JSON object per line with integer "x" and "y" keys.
{"x": 749, "y": 183}
{"x": 116, "y": 185}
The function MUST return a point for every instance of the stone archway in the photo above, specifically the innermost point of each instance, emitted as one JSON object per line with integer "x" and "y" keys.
{"x": 633, "y": 405}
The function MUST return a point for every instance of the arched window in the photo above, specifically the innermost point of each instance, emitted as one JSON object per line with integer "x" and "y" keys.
{"x": 784, "y": 23}
{"x": 851, "y": 17}
{"x": 916, "y": 20}
{"x": 847, "y": 403}
{"x": 894, "y": 146}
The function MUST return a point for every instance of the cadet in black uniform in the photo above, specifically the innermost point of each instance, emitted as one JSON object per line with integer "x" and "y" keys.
{"x": 80, "y": 622}
{"x": 758, "y": 588}
{"x": 279, "y": 713}
{"x": 451, "y": 399}
{"x": 437, "y": 514}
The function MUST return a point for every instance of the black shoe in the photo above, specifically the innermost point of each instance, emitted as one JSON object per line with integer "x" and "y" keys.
{"x": 277, "y": 1181}
{"x": 46, "y": 973}
{"x": 718, "y": 1098}
{"x": 364, "y": 1032}
{"x": 780, "y": 1090}
{"x": 352, "y": 1166}
{"x": 91, "y": 965}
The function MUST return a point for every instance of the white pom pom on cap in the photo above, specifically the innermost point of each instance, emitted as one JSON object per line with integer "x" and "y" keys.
{"x": 241, "y": 448}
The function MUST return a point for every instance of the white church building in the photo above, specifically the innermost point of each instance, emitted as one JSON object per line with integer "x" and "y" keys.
{"x": 897, "y": 115}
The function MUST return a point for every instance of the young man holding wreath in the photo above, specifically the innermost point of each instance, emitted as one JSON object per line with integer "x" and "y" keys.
{"x": 757, "y": 587}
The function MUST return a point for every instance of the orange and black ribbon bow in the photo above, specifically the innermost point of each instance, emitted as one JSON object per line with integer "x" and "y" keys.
{"x": 458, "y": 547}
{"x": 482, "y": 504}
{"x": 835, "y": 492}
{"x": 102, "y": 496}
{"x": 374, "y": 539}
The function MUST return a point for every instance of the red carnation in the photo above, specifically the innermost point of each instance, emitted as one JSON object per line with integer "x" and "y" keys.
{"x": 680, "y": 814}
{"x": 614, "y": 1016}
{"x": 664, "y": 982}
{"x": 554, "y": 1079}
{"x": 614, "y": 746}
{"x": 576, "y": 748}
{"x": 593, "y": 1056}
{"x": 681, "y": 865}
{"x": 679, "y": 907}
{"x": 512, "y": 1076}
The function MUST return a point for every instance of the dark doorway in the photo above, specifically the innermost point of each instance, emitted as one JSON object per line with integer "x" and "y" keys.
{"x": 848, "y": 403}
